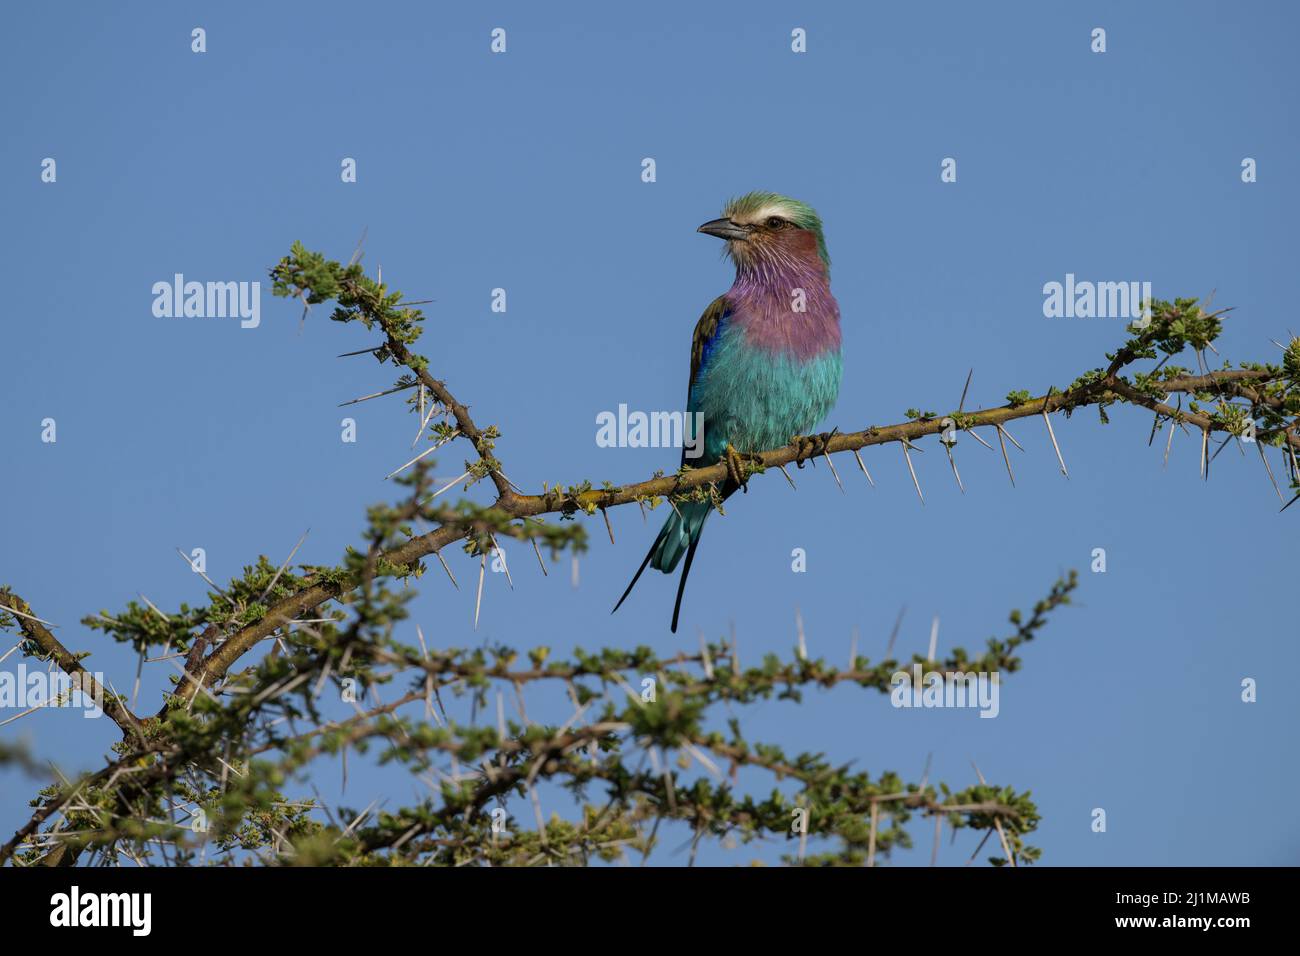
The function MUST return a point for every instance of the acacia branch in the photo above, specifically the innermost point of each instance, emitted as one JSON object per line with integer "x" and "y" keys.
{"x": 53, "y": 649}
{"x": 1271, "y": 392}
{"x": 558, "y": 501}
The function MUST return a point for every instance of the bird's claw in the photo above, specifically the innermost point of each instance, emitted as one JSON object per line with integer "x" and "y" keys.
{"x": 736, "y": 469}
{"x": 810, "y": 446}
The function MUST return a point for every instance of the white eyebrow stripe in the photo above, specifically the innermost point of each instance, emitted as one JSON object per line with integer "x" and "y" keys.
{"x": 771, "y": 209}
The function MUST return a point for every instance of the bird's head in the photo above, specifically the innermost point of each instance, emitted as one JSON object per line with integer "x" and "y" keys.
{"x": 764, "y": 227}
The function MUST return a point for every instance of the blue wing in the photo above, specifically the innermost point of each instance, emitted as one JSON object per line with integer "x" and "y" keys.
{"x": 707, "y": 332}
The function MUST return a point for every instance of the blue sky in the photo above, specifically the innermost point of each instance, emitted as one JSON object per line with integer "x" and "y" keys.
{"x": 522, "y": 171}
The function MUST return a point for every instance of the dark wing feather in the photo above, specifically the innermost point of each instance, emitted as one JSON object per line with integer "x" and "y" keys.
{"x": 706, "y": 334}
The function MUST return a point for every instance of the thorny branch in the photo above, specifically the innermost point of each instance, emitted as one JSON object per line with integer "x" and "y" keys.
{"x": 199, "y": 751}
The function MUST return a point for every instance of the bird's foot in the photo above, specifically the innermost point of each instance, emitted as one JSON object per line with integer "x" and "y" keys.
{"x": 736, "y": 470}
{"x": 810, "y": 446}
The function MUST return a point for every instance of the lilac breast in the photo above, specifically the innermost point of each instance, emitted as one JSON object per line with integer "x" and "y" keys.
{"x": 792, "y": 315}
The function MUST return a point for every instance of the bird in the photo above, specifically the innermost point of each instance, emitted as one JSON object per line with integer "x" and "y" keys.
{"x": 765, "y": 357}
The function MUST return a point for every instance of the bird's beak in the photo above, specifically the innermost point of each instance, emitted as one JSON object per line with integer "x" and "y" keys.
{"x": 725, "y": 229}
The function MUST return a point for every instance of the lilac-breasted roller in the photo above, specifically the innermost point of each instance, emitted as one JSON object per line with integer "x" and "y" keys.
{"x": 765, "y": 357}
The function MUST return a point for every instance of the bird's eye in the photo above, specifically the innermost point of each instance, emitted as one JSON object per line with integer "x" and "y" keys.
{"x": 775, "y": 222}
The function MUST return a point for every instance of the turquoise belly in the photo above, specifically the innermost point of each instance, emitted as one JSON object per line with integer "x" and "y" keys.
{"x": 756, "y": 400}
